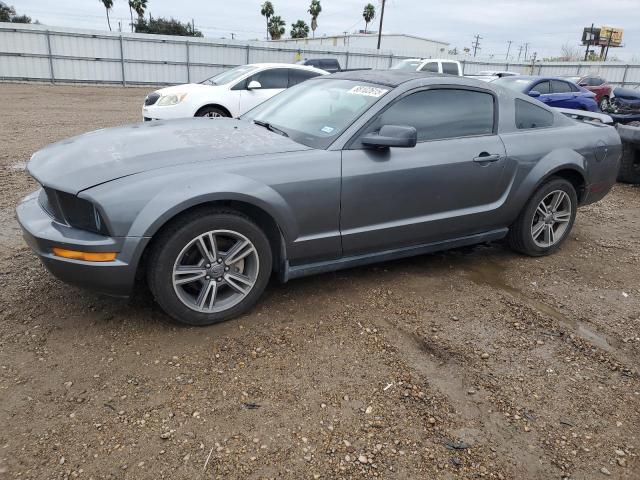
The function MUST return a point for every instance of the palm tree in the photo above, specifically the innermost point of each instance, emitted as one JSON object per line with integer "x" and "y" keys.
{"x": 108, "y": 5}
{"x": 369, "y": 13}
{"x": 267, "y": 11}
{"x": 276, "y": 27}
{"x": 132, "y": 4}
{"x": 140, "y": 6}
{"x": 314, "y": 11}
{"x": 299, "y": 29}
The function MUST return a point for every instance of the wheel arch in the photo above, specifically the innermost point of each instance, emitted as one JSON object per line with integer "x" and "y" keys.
{"x": 264, "y": 219}
{"x": 573, "y": 175}
{"x": 214, "y": 105}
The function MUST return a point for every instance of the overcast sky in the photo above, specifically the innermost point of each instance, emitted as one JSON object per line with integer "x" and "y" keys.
{"x": 545, "y": 24}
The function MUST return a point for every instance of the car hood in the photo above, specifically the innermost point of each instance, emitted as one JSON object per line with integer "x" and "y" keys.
{"x": 190, "y": 88}
{"x": 97, "y": 157}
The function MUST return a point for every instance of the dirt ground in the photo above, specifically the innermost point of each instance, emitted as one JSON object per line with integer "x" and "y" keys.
{"x": 475, "y": 363}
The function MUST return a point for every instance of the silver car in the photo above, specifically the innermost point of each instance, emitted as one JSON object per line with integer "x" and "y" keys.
{"x": 339, "y": 171}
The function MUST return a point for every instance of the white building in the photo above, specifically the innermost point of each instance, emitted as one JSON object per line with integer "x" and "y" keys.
{"x": 399, "y": 44}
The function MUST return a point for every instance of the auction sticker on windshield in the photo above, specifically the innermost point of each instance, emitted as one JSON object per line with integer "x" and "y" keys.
{"x": 368, "y": 91}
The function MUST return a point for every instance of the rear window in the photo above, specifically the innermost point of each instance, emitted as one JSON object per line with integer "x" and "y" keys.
{"x": 529, "y": 115}
{"x": 450, "y": 68}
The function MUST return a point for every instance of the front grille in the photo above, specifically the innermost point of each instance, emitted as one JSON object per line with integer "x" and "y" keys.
{"x": 151, "y": 98}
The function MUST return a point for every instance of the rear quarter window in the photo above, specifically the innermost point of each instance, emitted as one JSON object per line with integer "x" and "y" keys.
{"x": 530, "y": 116}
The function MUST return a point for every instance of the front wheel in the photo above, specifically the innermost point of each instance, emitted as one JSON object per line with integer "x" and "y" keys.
{"x": 211, "y": 112}
{"x": 209, "y": 267}
{"x": 546, "y": 220}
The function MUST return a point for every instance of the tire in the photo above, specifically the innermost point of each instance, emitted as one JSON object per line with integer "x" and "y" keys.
{"x": 212, "y": 112}
{"x": 521, "y": 235}
{"x": 186, "y": 288}
{"x": 630, "y": 162}
{"x": 604, "y": 103}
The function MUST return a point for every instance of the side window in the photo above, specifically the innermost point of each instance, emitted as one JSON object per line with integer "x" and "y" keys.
{"x": 450, "y": 68}
{"x": 596, "y": 82}
{"x": 329, "y": 65}
{"x": 441, "y": 113}
{"x": 558, "y": 86}
{"x": 298, "y": 76}
{"x": 529, "y": 115}
{"x": 430, "y": 67}
{"x": 542, "y": 87}
{"x": 273, "y": 78}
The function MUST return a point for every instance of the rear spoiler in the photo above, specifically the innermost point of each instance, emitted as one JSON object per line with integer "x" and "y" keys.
{"x": 585, "y": 116}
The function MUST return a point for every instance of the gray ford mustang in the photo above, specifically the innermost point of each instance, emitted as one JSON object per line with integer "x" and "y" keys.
{"x": 339, "y": 171}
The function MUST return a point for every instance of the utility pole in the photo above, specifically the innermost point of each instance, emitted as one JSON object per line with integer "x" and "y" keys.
{"x": 519, "y": 52}
{"x": 508, "y": 49}
{"x": 526, "y": 49}
{"x": 233, "y": 36}
{"x": 606, "y": 52}
{"x": 533, "y": 61}
{"x": 380, "y": 28}
{"x": 589, "y": 37}
{"x": 476, "y": 44}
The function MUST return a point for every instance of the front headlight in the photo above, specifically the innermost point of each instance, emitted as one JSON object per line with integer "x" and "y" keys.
{"x": 171, "y": 99}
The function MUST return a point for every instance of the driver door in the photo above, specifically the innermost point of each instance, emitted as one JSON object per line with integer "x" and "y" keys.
{"x": 448, "y": 185}
{"x": 272, "y": 82}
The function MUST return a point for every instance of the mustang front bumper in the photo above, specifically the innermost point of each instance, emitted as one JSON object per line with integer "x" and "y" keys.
{"x": 42, "y": 234}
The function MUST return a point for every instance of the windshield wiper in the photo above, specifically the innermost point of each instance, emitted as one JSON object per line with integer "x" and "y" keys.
{"x": 271, "y": 128}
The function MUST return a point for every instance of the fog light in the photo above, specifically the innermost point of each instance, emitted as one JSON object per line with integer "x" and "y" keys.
{"x": 86, "y": 256}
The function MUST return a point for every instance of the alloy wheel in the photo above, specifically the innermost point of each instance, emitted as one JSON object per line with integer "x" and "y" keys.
{"x": 215, "y": 271}
{"x": 551, "y": 219}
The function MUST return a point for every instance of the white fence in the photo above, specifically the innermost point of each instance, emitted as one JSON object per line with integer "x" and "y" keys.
{"x": 41, "y": 53}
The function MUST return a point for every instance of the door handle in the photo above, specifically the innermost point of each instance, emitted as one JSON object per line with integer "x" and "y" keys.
{"x": 485, "y": 157}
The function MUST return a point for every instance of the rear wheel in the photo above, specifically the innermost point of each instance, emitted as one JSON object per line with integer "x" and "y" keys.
{"x": 207, "y": 268}
{"x": 212, "y": 112}
{"x": 546, "y": 220}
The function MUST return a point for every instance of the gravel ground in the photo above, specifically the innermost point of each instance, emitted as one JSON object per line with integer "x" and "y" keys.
{"x": 475, "y": 363}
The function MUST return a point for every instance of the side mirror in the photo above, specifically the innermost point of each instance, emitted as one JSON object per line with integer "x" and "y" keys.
{"x": 392, "y": 136}
{"x": 534, "y": 93}
{"x": 254, "y": 85}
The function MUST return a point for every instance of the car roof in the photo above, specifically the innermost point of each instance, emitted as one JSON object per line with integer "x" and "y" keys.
{"x": 286, "y": 65}
{"x": 536, "y": 77}
{"x": 390, "y": 78}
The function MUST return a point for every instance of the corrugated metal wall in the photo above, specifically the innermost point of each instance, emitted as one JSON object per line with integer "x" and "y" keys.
{"x": 38, "y": 52}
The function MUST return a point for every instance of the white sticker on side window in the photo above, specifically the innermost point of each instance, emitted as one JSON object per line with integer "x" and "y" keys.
{"x": 368, "y": 91}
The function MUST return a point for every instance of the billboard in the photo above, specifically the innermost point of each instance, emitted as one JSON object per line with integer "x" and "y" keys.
{"x": 600, "y": 36}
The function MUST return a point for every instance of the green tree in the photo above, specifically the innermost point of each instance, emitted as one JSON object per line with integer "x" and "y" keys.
{"x": 276, "y": 27}
{"x": 369, "y": 13}
{"x": 162, "y": 26}
{"x": 8, "y": 14}
{"x": 138, "y": 6}
{"x": 267, "y": 12}
{"x": 108, "y": 5}
{"x": 300, "y": 29}
{"x": 314, "y": 11}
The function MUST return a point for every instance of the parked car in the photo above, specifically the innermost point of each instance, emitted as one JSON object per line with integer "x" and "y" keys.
{"x": 630, "y": 162}
{"x": 435, "y": 65}
{"x": 339, "y": 171}
{"x": 491, "y": 75}
{"x": 227, "y": 94}
{"x": 555, "y": 92}
{"x": 597, "y": 85}
{"x": 625, "y": 105}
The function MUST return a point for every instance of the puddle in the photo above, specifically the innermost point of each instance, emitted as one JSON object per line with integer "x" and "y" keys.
{"x": 492, "y": 274}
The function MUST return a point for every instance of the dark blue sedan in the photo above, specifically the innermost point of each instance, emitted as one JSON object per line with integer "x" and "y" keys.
{"x": 554, "y": 92}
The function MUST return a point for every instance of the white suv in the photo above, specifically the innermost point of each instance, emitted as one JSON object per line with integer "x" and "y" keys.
{"x": 451, "y": 67}
{"x": 228, "y": 94}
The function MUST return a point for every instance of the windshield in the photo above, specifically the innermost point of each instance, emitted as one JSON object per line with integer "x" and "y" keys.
{"x": 228, "y": 76}
{"x": 317, "y": 111}
{"x": 411, "y": 65}
{"x": 513, "y": 83}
